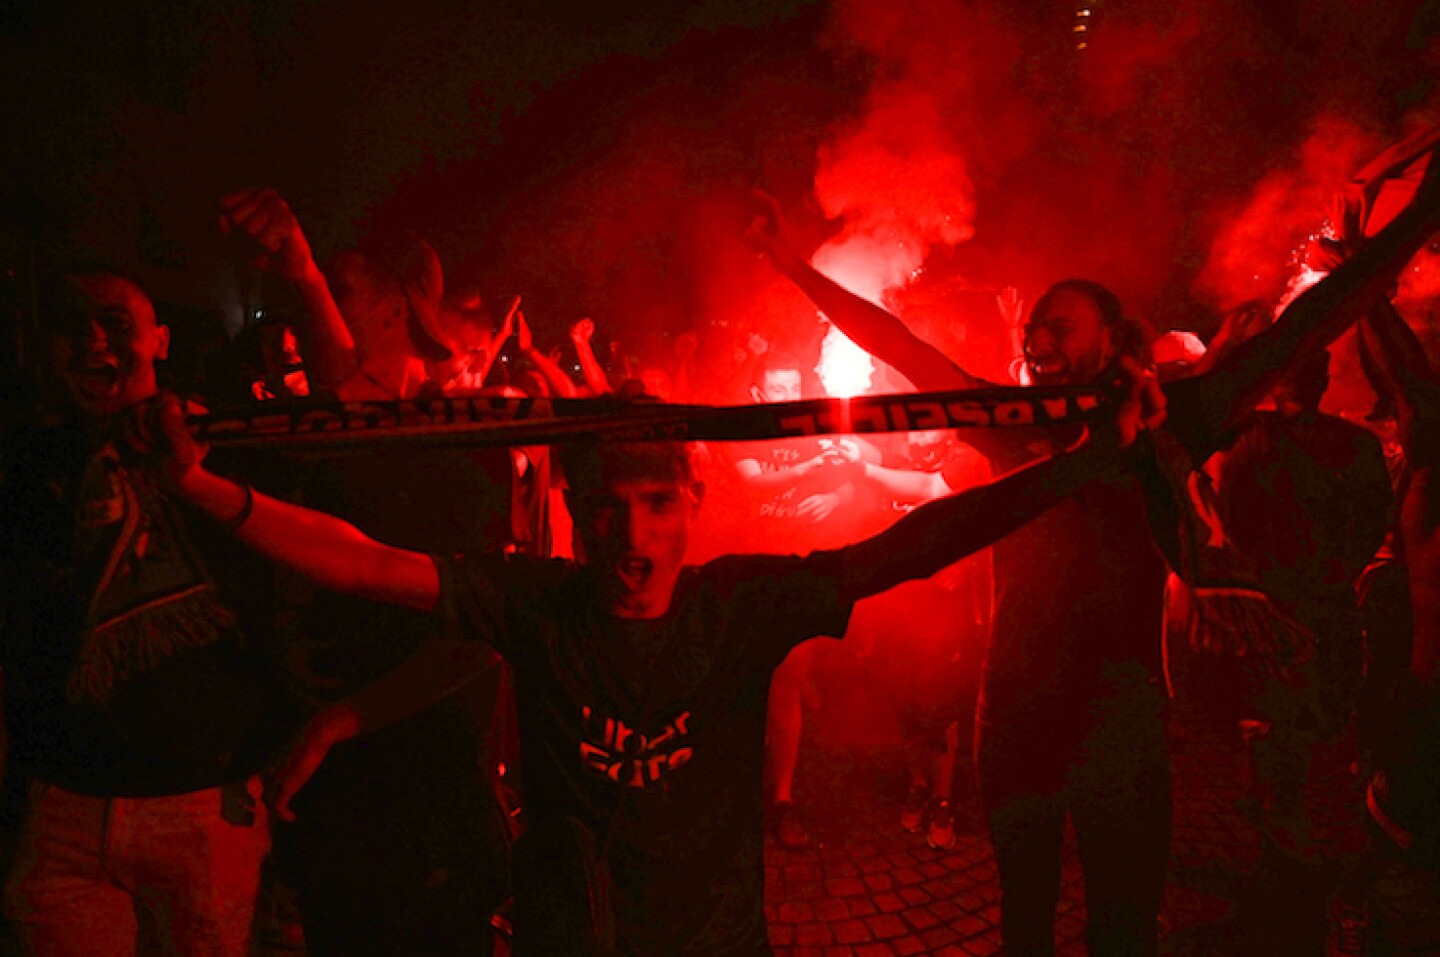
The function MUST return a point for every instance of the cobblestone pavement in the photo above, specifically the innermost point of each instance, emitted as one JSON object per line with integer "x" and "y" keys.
{"x": 866, "y": 888}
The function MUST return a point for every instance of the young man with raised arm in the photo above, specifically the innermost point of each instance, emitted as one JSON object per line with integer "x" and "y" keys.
{"x": 641, "y": 682}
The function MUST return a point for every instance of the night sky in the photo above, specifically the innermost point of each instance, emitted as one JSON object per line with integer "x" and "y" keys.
{"x": 597, "y": 158}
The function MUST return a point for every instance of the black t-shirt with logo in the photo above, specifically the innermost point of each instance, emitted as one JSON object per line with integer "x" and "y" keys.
{"x": 652, "y": 733}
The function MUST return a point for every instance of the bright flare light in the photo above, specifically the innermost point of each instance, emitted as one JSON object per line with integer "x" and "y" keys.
{"x": 1301, "y": 281}
{"x": 867, "y": 265}
{"x": 1304, "y": 276}
{"x": 844, "y": 368}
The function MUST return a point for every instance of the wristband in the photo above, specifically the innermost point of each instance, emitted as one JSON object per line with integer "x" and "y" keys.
{"x": 242, "y": 516}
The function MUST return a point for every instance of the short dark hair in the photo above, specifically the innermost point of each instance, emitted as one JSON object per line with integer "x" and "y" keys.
{"x": 1129, "y": 336}
{"x": 591, "y": 465}
{"x": 60, "y": 295}
{"x": 773, "y": 361}
{"x": 385, "y": 281}
{"x": 1310, "y": 378}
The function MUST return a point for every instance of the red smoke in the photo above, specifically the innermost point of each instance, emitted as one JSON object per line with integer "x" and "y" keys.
{"x": 1185, "y": 140}
{"x": 1176, "y": 158}
{"x": 901, "y": 185}
{"x": 898, "y": 174}
{"x": 984, "y": 126}
{"x": 1257, "y": 242}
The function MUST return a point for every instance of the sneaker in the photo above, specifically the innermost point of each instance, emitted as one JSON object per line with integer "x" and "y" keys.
{"x": 1348, "y": 930}
{"x": 941, "y": 833}
{"x": 789, "y": 829}
{"x": 912, "y": 814}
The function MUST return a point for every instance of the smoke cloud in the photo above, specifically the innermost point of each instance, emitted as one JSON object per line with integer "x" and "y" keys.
{"x": 1180, "y": 153}
{"x": 1259, "y": 242}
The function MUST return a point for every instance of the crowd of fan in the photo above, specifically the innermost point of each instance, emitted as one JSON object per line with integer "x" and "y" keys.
{"x": 194, "y": 645}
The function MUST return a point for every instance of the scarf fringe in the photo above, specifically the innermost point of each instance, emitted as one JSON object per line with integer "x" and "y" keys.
{"x": 1232, "y": 615}
{"x": 1242, "y": 622}
{"x": 117, "y": 650}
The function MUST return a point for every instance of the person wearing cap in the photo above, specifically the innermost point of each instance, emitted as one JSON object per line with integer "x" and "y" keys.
{"x": 1175, "y": 354}
{"x": 389, "y": 290}
{"x": 469, "y": 327}
{"x": 373, "y": 315}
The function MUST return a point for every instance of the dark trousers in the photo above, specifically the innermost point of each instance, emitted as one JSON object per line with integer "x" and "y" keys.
{"x": 399, "y": 846}
{"x": 1114, "y": 784}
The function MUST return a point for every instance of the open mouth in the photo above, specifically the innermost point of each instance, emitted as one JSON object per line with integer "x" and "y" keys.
{"x": 1048, "y": 368}
{"x": 95, "y": 382}
{"x": 634, "y": 571}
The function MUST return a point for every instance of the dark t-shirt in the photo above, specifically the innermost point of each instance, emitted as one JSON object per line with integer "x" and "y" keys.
{"x": 129, "y": 671}
{"x": 1079, "y": 586}
{"x": 1078, "y": 600}
{"x": 1308, "y": 498}
{"x": 652, "y": 733}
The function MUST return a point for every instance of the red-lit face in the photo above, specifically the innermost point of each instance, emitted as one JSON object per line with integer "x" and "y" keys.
{"x": 106, "y": 344}
{"x": 1069, "y": 344}
{"x": 656, "y": 382}
{"x": 371, "y": 312}
{"x": 469, "y": 348}
{"x": 634, "y": 534}
{"x": 779, "y": 385}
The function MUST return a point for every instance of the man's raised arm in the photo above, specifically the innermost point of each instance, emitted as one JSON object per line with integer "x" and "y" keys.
{"x": 878, "y": 332}
{"x": 330, "y": 551}
{"x": 581, "y": 332}
{"x": 559, "y": 382}
{"x": 265, "y": 217}
{"x": 944, "y": 531}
